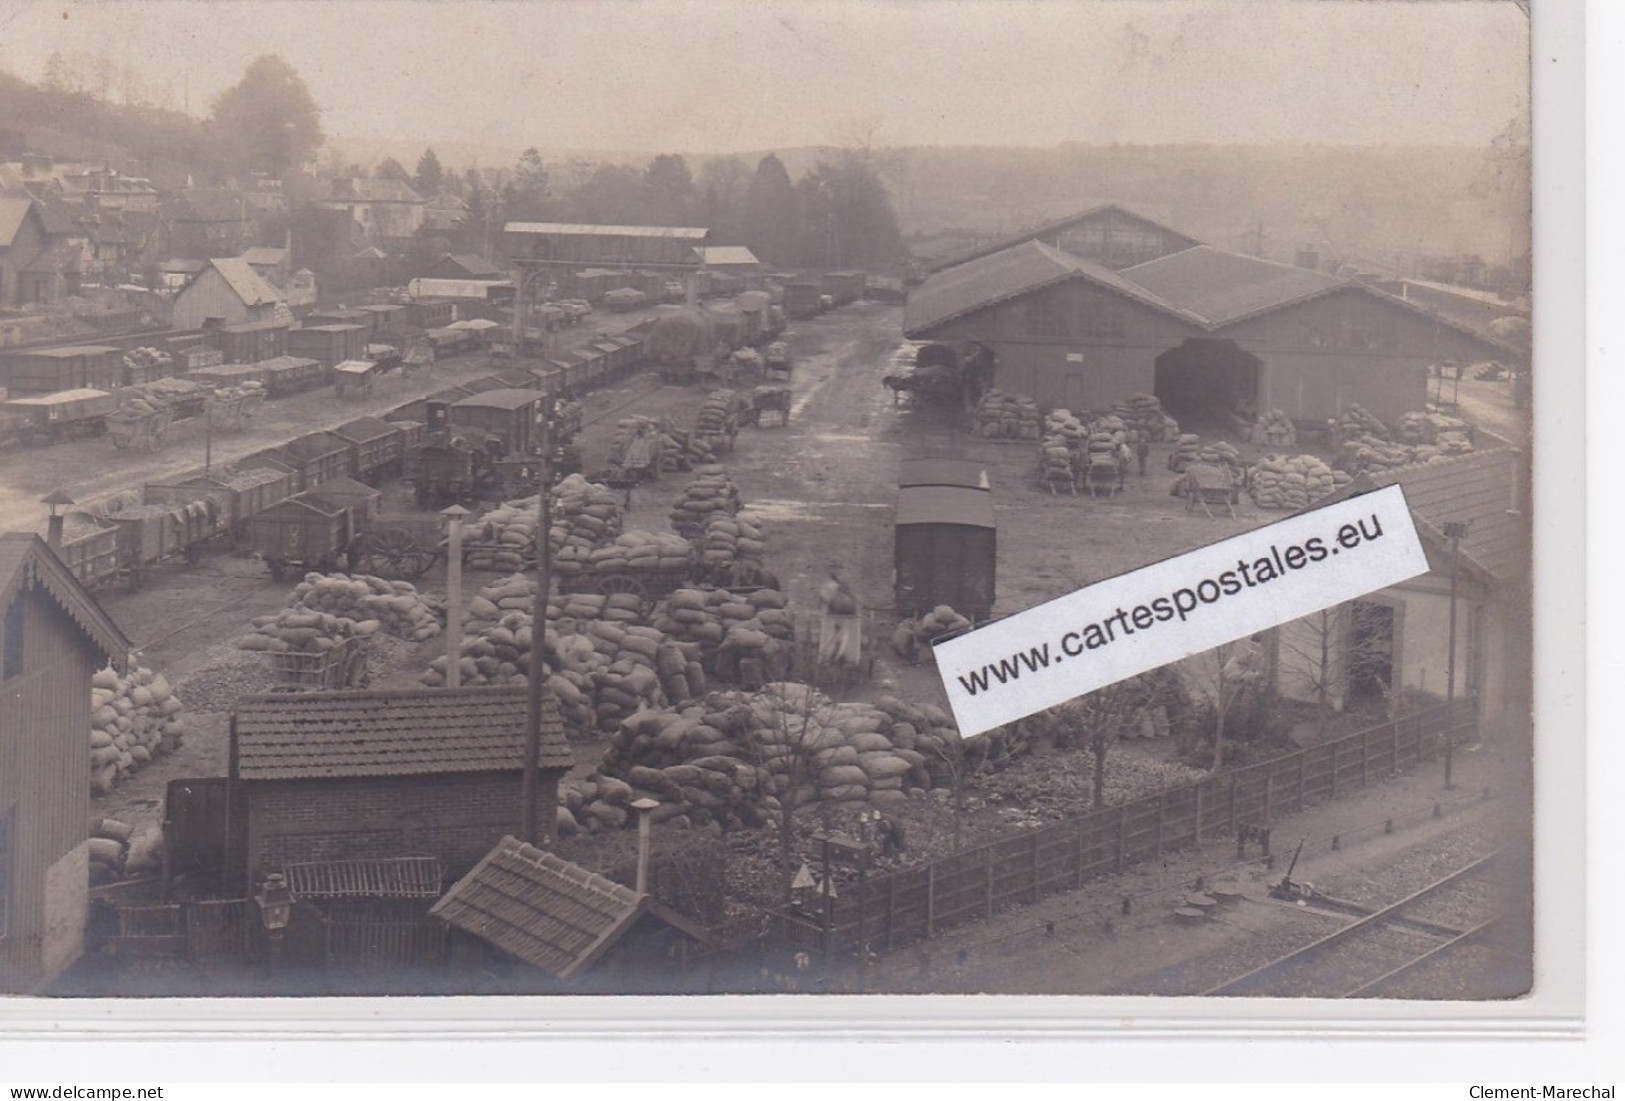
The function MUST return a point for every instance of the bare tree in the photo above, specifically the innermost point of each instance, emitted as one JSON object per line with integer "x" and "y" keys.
{"x": 1322, "y": 654}
{"x": 794, "y": 724}
{"x": 1222, "y": 675}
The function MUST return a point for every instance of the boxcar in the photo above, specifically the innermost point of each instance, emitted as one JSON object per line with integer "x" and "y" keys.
{"x": 50, "y": 417}
{"x": 432, "y": 313}
{"x": 284, "y": 375}
{"x": 51, "y": 370}
{"x": 330, "y": 344}
{"x": 485, "y": 384}
{"x": 410, "y": 435}
{"x": 418, "y": 410}
{"x": 307, "y": 530}
{"x": 946, "y": 550}
{"x": 318, "y": 457}
{"x": 252, "y": 341}
{"x": 375, "y": 445}
{"x": 508, "y": 415}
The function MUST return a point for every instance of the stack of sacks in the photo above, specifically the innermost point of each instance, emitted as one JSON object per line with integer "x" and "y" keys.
{"x": 711, "y": 491}
{"x": 1222, "y": 453}
{"x": 300, "y": 631}
{"x": 1274, "y": 428}
{"x": 681, "y": 450}
{"x": 133, "y": 719}
{"x": 109, "y": 850}
{"x": 1185, "y": 452}
{"x": 1062, "y": 423}
{"x": 149, "y": 363}
{"x": 567, "y": 419}
{"x": 1360, "y": 454}
{"x": 642, "y": 551}
{"x": 729, "y": 629}
{"x": 1355, "y": 421}
{"x": 505, "y": 537}
{"x": 1103, "y": 446}
{"x": 913, "y": 637}
{"x": 372, "y": 604}
{"x": 1145, "y": 413}
{"x": 586, "y": 516}
{"x": 719, "y": 415}
{"x": 1055, "y": 462}
{"x": 1451, "y": 435}
{"x": 728, "y": 539}
{"x": 1001, "y": 416}
{"x": 1280, "y": 482}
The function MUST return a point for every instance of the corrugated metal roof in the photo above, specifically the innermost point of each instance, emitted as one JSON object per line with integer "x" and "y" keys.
{"x": 943, "y": 472}
{"x": 945, "y": 505}
{"x": 728, "y": 256}
{"x": 581, "y": 230}
{"x": 24, "y": 558}
{"x": 1475, "y": 488}
{"x": 317, "y": 735}
{"x": 265, "y": 255}
{"x": 245, "y": 282}
{"x": 552, "y": 914}
{"x": 1222, "y": 287}
{"x": 363, "y": 429}
{"x": 71, "y": 351}
{"x": 1020, "y": 269}
{"x": 1051, "y": 229}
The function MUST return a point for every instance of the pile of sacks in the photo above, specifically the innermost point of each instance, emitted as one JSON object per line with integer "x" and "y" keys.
{"x": 728, "y": 540}
{"x": 719, "y": 415}
{"x": 567, "y": 419}
{"x": 586, "y": 516}
{"x": 1274, "y": 428}
{"x": 1185, "y": 453}
{"x": 1055, "y": 462}
{"x": 1367, "y": 453}
{"x": 1001, "y": 416}
{"x": 1061, "y": 423}
{"x": 913, "y": 637}
{"x": 642, "y": 551}
{"x": 133, "y": 718}
{"x": 742, "y": 637}
{"x": 1144, "y": 413}
{"x": 711, "y": 491}
{"x": 1222, "y": 453}
{"x": 301, "y": 631}
{"x": 505, "y": 537}
{"x": 1451, "y": 435}
{"x": 1282, "y": 482}
{"x": 372, "y": 604}
{"x": 1356, "y": 421}
{"x": 149, "y": 362}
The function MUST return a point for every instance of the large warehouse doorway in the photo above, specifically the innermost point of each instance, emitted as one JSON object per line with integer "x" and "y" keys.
{"x": 1204, "y": 382}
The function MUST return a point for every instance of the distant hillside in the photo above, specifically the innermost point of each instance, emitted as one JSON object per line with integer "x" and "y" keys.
{"x": 165, "y": 146}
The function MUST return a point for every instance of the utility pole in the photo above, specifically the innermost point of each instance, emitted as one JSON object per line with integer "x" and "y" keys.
{"x": 538, "y": 636}
{"x": 1453, "y": 532}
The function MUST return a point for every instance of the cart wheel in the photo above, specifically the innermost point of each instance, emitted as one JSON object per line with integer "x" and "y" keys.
{"x": 393, "y": 553}
{"x": 614, "y": 583}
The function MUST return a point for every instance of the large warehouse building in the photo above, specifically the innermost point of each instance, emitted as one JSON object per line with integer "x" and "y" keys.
{"x": 1084, "y": 313}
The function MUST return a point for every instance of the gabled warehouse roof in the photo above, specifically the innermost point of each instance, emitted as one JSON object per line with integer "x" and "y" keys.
{"x": 989, "y": 280}
{"x": 1222, "y": 287}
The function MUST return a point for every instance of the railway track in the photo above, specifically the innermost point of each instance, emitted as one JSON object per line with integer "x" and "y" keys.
{"x": 1377, "y": 950}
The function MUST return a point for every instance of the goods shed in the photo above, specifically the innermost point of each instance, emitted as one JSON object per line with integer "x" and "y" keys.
{"x": 577, "y": 245}
{"x": 1216, "y": 335}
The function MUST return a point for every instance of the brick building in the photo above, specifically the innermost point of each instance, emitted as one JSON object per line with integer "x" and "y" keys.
{"x": 327, "y": 776}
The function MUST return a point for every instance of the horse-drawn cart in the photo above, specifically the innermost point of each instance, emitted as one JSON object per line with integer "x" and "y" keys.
{"x": 771, "y": 401}
{"x": 132, "y": 428}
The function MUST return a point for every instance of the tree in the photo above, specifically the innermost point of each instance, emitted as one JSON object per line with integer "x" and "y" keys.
{"x": 526, "y": 195}
{"x": 391, "y": 169}
{"x": 270, "y": 117}
{"x": 430, "y": 178}
{"x": 1323, "y": 656}
{"x": 1222, "y": 676}
{"x": 614, "y": 193}
{"x": 847, "y": 214}
{"x": 771, "y": 217}
{"x": 671, "y": 189}
{"x": 793, "y": 723}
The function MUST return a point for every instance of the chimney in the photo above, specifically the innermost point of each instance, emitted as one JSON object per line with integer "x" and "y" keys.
{"x": 53, "y": 526}
{"x": 643, "y": 807}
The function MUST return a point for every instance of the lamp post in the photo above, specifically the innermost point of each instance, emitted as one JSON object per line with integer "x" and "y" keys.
{"x": 276, "y": 911}
{"x": 454, "y": 593}
{"x": 1453, "y": 531}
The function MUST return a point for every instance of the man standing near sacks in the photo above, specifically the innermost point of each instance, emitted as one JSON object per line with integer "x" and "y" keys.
{"x": 839, "y": 641}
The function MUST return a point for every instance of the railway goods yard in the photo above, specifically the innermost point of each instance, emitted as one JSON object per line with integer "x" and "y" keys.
{"x": 695, "y": 659}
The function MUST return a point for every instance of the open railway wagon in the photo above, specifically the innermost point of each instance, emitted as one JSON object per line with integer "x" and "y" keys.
{"x": 377, "y": 447}
{"x": 286, "y": 375}
{"x": 946, "y": 550}
{"x": 159, "y": 528}
{"x": 139, "y": 426}
{"x": 466, "y": 468}
{"x": 338, "y": 525}
{"x": 89, "y": 547}
{"x": 48, "y": 418}
{"x": 247, "y": 490}
{"x": 354, "y": 378}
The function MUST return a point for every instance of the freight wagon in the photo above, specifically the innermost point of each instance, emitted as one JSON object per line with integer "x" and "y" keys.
{"x": 803, "y": 299}
{"x": 431, "y": 313}
{"x": 329, "y": 344}
{"x": 47, "y": 418}
{"x": 286, "y": 375}
{"x": 946, "y": 550}
{"x": 316, "y": 458}
{"x": 52, "y": 370}
{"x": 252, "y": 341}
{"x": 376, "y": 447}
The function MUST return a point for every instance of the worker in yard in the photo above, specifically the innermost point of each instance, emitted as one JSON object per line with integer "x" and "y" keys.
{"x": 1142, "y": 446}
{"x": 838, "y": 641}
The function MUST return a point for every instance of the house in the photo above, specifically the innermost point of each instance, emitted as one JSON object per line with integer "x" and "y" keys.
{"x": 40, "y": 260}
{"x": 271, "y": 264}
{"x": 361, "y": 775}
{"x": 54, "y": 638}
{"x": 535, "y": 907}
{"x": 383, "y": 209}
{"x": 207, "y": 222}
{"x": 444, "y": 212}
{"x": 463, "y": 266}
{"x": 227, "y": 292}
{"x": 1398, "y": 639}
{"x": 1215, "y": 335}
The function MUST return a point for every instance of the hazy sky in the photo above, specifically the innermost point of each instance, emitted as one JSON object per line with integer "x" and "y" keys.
{"x": 716, "y": 75}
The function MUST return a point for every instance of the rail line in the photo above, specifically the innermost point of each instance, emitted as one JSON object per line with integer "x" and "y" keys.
{"x": 1368, "y": 954}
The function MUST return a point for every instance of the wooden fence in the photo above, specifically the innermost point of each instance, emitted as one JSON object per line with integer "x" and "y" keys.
{"x": 900, "y": 908}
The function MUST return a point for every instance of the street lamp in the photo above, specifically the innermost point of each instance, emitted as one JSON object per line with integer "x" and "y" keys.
{"x": 1453, "y": 531}
{"x": 276, "y": 911}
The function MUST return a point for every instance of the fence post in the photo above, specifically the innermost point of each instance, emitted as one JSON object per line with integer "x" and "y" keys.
{"x": 931, "y": 899}
{"x": 1035, "y": 864}
{"x": 988, "y": 891}
{"x": 1162, "y": 808}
